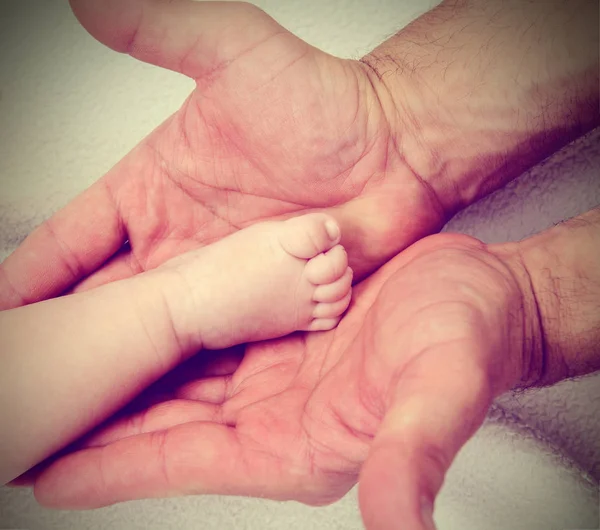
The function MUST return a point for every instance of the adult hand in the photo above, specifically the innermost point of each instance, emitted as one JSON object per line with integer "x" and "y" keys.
{"x": 200, "y": 174}
{"x": 401, "y": 384}
{"x": 274, "y": 127}
{"x": 391, "y": 145}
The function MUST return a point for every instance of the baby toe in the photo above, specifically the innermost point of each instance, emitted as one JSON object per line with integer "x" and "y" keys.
{"x": 309, "y": 235}
{"x": 323, "y": 324}
{"x": 332, "y": 292}
{"x": 332, "y": 310}
{"x": 328, "y": 267}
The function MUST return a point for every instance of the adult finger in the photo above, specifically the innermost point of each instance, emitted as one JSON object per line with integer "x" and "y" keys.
{"x": 121, "y": 265}
{"x": 210, "y": 390}
{"x": 194, "y": 458}
{"x": 63, "y": 250}
{"x": 159, "y": 417}
{"x": 196, "y": 39}
{"x": 439, "y": 401}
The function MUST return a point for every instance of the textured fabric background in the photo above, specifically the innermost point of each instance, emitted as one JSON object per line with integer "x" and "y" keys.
{"x": 70, "y": 109}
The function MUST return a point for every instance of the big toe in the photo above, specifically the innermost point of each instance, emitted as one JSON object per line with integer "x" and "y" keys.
{"x": 309, "y": 235}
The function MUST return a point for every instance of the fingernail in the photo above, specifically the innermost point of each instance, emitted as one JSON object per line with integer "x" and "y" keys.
{"x": 333, "y": 230}
{"x": 427, "y": 514}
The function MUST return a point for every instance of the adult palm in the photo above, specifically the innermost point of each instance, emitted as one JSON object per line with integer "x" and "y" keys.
{"x": 274, "y": 127}
{"x": 401, "y": 384}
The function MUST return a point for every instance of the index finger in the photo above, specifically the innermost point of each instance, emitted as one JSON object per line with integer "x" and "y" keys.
{"x": 64, "y": 249}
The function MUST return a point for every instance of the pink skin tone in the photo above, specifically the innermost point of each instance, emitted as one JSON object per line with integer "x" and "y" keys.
{"x": 63, "y": 358}
{"x": 273, "y": 128}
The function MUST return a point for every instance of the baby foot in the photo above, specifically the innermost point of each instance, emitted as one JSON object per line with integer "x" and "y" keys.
{"x": 262, "y": 282}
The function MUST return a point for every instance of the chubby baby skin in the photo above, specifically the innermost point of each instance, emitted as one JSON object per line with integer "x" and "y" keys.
{"x": 70, "y": 362}
{"x": 262, "y": 282}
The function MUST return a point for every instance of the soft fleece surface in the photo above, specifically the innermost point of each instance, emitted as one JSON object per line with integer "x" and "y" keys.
{"x": 70, "y": 109}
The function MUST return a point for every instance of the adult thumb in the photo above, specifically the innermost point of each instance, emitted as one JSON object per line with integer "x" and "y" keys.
{"x": 196, "y": 39}
{"x": 439, "y": 401}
